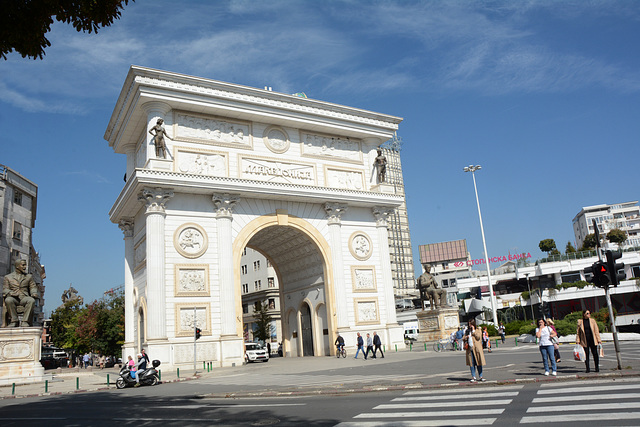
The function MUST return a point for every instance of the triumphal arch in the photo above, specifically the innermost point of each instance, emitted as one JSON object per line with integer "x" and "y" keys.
{"x": 214, "y": 167}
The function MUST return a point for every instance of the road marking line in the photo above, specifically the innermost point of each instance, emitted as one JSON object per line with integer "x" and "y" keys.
{"x": 421, "y": 423}
{"x": 602, "y": 381}
{"x": 457, "y": 396}
{"x": 437, "y": 404}
{"x": 592, "y": 407}
{"x": 590, "y": 389}
{"x": 578, "y": 397}
{"x": 475, "y": 389}
{"x": 581, "y": 417}
{"x": 458, "y": 412}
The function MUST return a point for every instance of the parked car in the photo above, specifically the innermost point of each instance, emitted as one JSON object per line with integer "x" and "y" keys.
{"x": 254, "y": 351}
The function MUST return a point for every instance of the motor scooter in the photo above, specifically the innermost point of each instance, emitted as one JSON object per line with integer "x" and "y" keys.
{"x": 148, "y": 376}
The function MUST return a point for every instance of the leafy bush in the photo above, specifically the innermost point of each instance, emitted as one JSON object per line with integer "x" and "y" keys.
{"x": 527, "y": 330}
{"x": 579, "y": 284}
{"x": 525, "y": 295}
{"x": 491, "y": 330}
{"x": 565, "y": 327}
{"x": 513, "y": 328}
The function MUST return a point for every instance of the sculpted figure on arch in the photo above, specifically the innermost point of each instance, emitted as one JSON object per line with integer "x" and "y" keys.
{"x": 429, "y": 290}
{"x": 159, "y": 133}
{"x": 19, "y": 290}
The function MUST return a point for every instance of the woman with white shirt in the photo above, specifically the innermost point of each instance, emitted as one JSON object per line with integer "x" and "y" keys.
{"x": 544, "y": 334}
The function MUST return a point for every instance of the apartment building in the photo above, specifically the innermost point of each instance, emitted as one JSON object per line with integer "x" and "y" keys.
{"x": 623, "y": 216}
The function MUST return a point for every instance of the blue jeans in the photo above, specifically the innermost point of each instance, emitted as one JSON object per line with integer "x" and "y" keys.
{"x": 360, "y": 349}
{"x": 473, "y": 367}
{"x": 547, "y": 352}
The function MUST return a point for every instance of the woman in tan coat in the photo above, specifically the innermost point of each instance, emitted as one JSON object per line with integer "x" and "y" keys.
{"x": 588, "y": 336}
{"x": 475, "y": 356}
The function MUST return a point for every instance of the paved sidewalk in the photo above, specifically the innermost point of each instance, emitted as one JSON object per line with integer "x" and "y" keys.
{"x": 403, "y": 369}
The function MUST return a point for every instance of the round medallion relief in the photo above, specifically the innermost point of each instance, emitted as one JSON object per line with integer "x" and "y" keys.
{"x": 360, "y": 245}
{"x": 190, "y": 240}
{"x": 276, "y": 140}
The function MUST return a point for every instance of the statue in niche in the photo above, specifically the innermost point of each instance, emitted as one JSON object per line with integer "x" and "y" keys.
{"x": 381, "y": 166}
{"x": 430, "y": 291}
{"x": 159, "y": 133}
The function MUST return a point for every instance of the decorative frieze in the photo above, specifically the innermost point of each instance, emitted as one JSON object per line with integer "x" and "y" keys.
{"x": 363, "y": 278}
{"x": 212, "y": 130}
{"x": 191, "y": 280}
{"x": 331, "y": 147}
{"x": 343, "y": 178}
{"x": 367, "y": 311}
{"x": 201, "y": 162}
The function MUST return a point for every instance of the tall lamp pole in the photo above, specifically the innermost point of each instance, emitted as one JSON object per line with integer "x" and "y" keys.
{"x": 473, "y": 169}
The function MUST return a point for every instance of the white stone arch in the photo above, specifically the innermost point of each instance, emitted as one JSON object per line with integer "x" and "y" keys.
{"x": 282, "y": 218}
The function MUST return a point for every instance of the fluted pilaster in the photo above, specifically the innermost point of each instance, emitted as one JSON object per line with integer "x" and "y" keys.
{"x": 334, "y": 212}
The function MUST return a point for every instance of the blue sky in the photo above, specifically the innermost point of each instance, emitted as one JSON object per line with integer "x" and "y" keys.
{"x": 543, "y": 94}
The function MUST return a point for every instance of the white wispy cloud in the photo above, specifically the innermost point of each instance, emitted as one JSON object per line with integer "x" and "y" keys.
{"x": 88, "y": 176}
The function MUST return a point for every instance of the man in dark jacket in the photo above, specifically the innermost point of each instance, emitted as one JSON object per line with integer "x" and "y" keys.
{"x": 360, "y": 345}
{"x": 377, "y": 344}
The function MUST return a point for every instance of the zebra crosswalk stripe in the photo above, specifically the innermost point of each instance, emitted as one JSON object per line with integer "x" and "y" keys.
{"x": 438, "y": 404}
{"x": 421, "y": 423}
{"x": 581, "y": 417}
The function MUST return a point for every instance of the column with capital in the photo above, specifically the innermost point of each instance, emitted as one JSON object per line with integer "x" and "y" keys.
{"x": 224, "y": 204}
{"x": 334, "y": 212}
{"x": 381, "y": 214}
{"x": 155, "y": 200}
{"x": 126, "y": 225}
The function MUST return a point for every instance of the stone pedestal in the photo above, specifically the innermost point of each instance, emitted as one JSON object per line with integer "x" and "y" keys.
{"x": 437, "y": 324}
{"x": 20, "y": 356}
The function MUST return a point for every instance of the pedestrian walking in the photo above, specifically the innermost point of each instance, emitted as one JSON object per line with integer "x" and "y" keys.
{"x": 486, "y": 342}
{"x": 544, "y": 334}
{"x": 475, "y": 356}
{"x": 459, "y": 338}
{"x": 369, "y": 348}
{"x": 360, "y": 344}
{"x": 588, "y": 336}
{"x": 377, "y": 345}
{"x": 501, "y": 331}
{"x": 85, "y": 360}
{"x": 554, "y": 340}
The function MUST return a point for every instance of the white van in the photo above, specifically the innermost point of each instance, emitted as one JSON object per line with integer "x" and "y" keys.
{"x": 411, "y": 331}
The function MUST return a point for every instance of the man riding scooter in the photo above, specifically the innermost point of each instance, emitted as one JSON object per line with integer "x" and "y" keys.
{"x": 140, "y": 367}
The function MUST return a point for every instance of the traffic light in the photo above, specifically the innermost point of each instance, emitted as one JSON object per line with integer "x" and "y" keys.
{"x": 589, "y": 274}
{"x": 614, "y": 268}
{"x": 600, "y": 272}
{"x": 198, "y": 333}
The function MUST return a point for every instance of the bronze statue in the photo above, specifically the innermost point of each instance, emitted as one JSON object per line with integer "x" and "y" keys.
{"x": 71, "y": 294}
{"x": 19, "y": 289}
{"x": 429, "y": 290}
{"x": 381, "y": 166}
{"x": 159, "y": 133}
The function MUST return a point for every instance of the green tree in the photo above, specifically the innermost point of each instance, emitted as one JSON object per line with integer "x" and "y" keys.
{"x": 547, "y": 245}
{"x": 569, "y": 249}
{"x": 24, "y": 23}
{"x": 589, "y": 242}
{"x": 64, "y": 321}
{"x": 617, "y": 236}
{"x": 262, "y": 321}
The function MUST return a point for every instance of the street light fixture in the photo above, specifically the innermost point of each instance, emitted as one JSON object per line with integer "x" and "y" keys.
{"x": 473, "y": 169}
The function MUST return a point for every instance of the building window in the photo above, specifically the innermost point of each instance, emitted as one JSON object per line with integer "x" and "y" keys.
{"x": 244, "y": 252}
{"x": 245, "y": 308}
{"x": 445, "y": 283}
{"x": 257, "y": 285}
{"x": 17, "y": 230}
{"x": 244, "y": 269}
{"x": 272, "y": 303}
{"x": 256, "y": 265}
{"x": 271, "y": 282}
{"x": 245, "y": 288}
{"x": 17, "y": 197}
{"x": 268, "y": 263}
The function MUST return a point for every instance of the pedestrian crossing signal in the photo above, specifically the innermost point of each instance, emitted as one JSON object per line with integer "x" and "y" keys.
{"x": 198, "y": 331}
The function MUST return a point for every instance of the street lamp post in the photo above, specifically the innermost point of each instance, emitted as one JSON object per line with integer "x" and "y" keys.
{"x": 533, "y": 317}
{"x": 473, "y": 169}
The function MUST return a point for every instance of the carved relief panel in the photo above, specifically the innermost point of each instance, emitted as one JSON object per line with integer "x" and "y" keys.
{"x": 190, "y": 240}
{"x": 191, "y": 280}
{"x": 333, "y": 147}
{"x": 212, "y": 130}
{"x": 367, "y": 311}
{"x": 190, "y": 316}
{"x": 140, "y": 254}
{"x": 360, "y": 245}
{"x": 276, "y": 139}
{"x": 343, "y": 178}
{"x": 363, "y": 278}
{"x": 201, "y": 162}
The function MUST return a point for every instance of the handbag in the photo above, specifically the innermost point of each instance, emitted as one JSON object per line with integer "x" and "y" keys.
{"x": 466, "y": 345}
{"x": 554, "y": 341}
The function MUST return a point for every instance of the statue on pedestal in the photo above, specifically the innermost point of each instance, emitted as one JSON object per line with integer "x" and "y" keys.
{"x": 159, "y": 133}
{"x": 381, "y": 166}
{"x": 429, "y": 290}
{"x": 19, "y": 290}
{"x": 71, "y": 294}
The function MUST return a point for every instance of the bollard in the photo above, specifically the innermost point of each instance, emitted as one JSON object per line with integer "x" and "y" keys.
{"x": 496, "y": 342}
{"x": 77, "y": 383}
{"x": 384, "y": 348}
{"x": 178, "y": 372}
{"x": 396, "y": 348}
{"x": 425, "y": 346}
{"x": 13, "y": 389}
{"x": 516, "y": 341}
{"x": 410, "y": 346}
{"x": 108, "y": 380}
{"x": 46, "y": 386}
{"x": 204, "y": 365}
{"x": 159, "y": 375}
{"x": 209, "y": 367}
